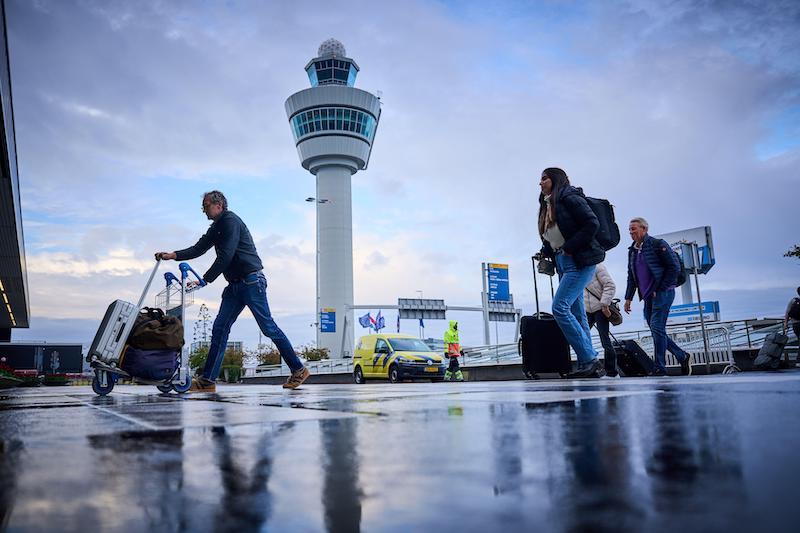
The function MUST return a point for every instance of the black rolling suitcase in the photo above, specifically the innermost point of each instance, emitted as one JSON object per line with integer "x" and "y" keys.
{"x": 632, "y": 361}
{"x": 542, "y": 345}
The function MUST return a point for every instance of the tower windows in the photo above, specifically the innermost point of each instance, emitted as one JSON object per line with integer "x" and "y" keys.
{"x": 333, "y": 119}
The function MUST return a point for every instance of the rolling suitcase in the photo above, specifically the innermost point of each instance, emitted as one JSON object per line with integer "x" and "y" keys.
{"x": 109, "y": 339}
{"x": 769, "y": 356}
{"x": 632, "y": 360}
{"x": 115, "y": 327}
{"x": 542, "y": 345}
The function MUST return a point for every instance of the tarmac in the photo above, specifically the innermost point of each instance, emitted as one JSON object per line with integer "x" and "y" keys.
{"x": 700, "y": 453}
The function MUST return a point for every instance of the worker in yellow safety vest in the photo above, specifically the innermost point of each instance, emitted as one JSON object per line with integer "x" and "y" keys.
{"x": 452, "y": 350}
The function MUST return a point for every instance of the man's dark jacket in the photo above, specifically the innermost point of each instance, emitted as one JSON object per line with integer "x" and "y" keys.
{"x": 662, "y": 262}
{"x": 236, "y": 253}
{"x": 578, "y": 224}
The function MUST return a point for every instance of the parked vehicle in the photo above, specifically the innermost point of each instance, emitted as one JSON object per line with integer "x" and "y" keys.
{"x": 395, "y": 356}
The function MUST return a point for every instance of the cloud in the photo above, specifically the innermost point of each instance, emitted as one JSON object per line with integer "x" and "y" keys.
{"x": 124, "y": 116}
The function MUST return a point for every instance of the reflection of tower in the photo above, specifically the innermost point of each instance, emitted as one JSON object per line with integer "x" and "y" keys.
{"x": 334, "y": 126}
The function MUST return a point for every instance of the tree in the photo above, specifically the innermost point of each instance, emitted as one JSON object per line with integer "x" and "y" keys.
{"x": 197, "y": 359}
{"x": 310, "y": 353}
{"x": 794, "y": 251}
{"x": 265, "y": 354}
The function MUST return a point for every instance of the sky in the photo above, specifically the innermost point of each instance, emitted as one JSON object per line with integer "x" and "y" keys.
{"x": 684, "y": 112}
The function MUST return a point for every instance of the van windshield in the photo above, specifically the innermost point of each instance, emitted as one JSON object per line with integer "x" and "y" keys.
{"x": 409, "y": 345}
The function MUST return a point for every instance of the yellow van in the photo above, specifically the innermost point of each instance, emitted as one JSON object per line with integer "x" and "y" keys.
{"x": 395, "y": 356}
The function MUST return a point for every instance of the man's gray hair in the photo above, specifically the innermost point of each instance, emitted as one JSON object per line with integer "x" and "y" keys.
{"x": 216, "y": 197}
{"x": 642, "y": 222}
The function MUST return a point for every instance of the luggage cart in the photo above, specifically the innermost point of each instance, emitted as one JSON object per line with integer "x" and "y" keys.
{"x": 109, "y": 342}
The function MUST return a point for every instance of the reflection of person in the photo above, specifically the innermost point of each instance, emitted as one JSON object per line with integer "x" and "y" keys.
{"x": 597, "y": 299}
{"x": 238, "y": 261}
{"x": 653, "y": 268}
{"x": 567, "y": 226}
{"x": 791, "y": 315}
{"x": 452, "y": 349}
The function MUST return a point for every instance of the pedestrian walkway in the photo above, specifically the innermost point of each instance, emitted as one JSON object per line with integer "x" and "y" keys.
{"x": 705, "y": 453}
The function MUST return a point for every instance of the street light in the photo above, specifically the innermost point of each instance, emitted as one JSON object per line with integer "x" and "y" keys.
{"x": 316, "y": 257}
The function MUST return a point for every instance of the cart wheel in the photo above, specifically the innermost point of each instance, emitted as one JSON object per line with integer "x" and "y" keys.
{"x": 100, "y": 390}
{"x": 180, "y": 389}
{"x": 164, "y": 388}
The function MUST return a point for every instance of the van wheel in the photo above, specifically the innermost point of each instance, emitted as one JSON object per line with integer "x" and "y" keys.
{"x": 358, "y": 375}
{"x": 394, "y": 374}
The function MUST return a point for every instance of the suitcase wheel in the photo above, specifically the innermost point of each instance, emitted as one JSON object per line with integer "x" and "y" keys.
{"x": 103, "y": 390}
{"x": 529, "y": 374}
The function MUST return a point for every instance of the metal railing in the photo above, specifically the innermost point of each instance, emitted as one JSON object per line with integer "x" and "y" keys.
{"x": 722, "y": 337}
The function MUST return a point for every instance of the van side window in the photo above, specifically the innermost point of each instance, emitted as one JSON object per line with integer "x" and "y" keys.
{"x": 381, "y": 346}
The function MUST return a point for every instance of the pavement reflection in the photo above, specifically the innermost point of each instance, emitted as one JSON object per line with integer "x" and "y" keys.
{"x": 633, "y": 455}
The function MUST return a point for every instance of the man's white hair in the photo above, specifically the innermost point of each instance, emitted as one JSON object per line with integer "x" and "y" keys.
{"x": 642, "y": 222}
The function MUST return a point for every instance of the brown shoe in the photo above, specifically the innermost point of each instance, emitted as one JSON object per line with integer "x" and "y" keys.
{"x": 201, "y": 384}
{"x": 297, "y": 378}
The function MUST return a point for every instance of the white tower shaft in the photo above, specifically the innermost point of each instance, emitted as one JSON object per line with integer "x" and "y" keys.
{"x": 336, "y": 255}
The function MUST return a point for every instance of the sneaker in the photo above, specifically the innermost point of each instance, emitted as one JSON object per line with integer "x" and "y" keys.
{"x": 592, "y": 369}
{"x": 611, "y": 376}
{"x": 659, "y": 373}
{"x": 297, "y": 378}
{"x": 201, "y": 384}
{"x": 686, "y": 366}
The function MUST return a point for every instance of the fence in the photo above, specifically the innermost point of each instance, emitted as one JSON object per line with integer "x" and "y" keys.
{"x": 722, "y": 337}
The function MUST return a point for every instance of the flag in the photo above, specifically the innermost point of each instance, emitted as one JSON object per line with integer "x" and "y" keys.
{"x": 398, "y": 322}
{"x": 421, "y": 323}
{"x": 380, "y": 322}
{"x": 365, "y": 321}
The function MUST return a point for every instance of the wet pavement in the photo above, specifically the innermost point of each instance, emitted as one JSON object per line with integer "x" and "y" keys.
{"x": 716, "y": 453}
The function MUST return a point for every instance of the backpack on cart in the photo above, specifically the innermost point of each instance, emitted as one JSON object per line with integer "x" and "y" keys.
{"x": 155, "y": 365}
{"x": 153, "y": 330}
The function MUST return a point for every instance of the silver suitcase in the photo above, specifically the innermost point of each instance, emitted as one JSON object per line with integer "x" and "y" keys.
{"x": 110, "y": 339}
{"x": 116, "y": 326}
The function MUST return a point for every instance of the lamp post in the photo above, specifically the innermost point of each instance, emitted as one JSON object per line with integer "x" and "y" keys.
{"x": 316, "y": 264}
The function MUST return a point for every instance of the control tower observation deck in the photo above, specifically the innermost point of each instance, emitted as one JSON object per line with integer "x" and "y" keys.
{"x": 334, "y": 126}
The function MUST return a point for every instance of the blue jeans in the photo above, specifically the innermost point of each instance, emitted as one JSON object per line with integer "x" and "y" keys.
{"x": 568, "y": 307}
{"x": 656, "y": 311}
{"x": 250, "y": 292}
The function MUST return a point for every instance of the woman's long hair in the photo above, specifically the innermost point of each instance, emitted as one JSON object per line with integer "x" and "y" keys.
{"x": 559, "y": 179}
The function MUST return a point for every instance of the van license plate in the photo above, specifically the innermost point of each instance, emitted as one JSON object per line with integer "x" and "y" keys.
{"x": 431, "y": 369}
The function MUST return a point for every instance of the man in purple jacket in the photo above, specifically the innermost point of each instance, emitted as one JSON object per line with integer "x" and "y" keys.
{"x": 653, "y": 269}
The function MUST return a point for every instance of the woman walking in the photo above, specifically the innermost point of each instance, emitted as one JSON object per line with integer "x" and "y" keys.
{"x": 567, "y": 227}
{"x": 597, "y": 298}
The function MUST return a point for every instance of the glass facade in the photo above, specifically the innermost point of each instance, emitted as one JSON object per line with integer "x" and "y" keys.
{"x": 336, "y": 119}
{"x": 332, "y": 71}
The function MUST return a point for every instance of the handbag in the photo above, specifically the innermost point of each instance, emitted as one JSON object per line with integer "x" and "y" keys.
{"x": 616, "y": 316}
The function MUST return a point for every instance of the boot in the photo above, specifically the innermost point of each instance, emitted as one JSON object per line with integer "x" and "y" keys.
{"x": 459, "y": 376}
{"x": 448, "y": 376}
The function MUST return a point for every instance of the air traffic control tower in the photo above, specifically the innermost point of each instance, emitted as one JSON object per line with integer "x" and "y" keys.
{"x": 334, "y": 125}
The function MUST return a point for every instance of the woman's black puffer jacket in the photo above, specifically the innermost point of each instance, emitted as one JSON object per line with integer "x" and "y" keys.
{"x": 578, "y": 225}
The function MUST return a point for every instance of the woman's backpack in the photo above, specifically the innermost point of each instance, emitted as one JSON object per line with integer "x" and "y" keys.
{"x": 608, "y": 233}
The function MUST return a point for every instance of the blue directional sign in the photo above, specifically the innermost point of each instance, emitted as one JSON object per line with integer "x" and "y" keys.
{"x": 690, "y": 313}
{"x": 498, "y": 283}
{"x": 327, "y": 320}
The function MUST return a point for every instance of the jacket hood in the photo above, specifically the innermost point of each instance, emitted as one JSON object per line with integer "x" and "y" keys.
{"x": 453, "y": 324}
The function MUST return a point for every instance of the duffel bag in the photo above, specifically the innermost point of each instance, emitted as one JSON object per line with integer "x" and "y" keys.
{"x": 152, "y": 330}
{"x": 156, "y": 365}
